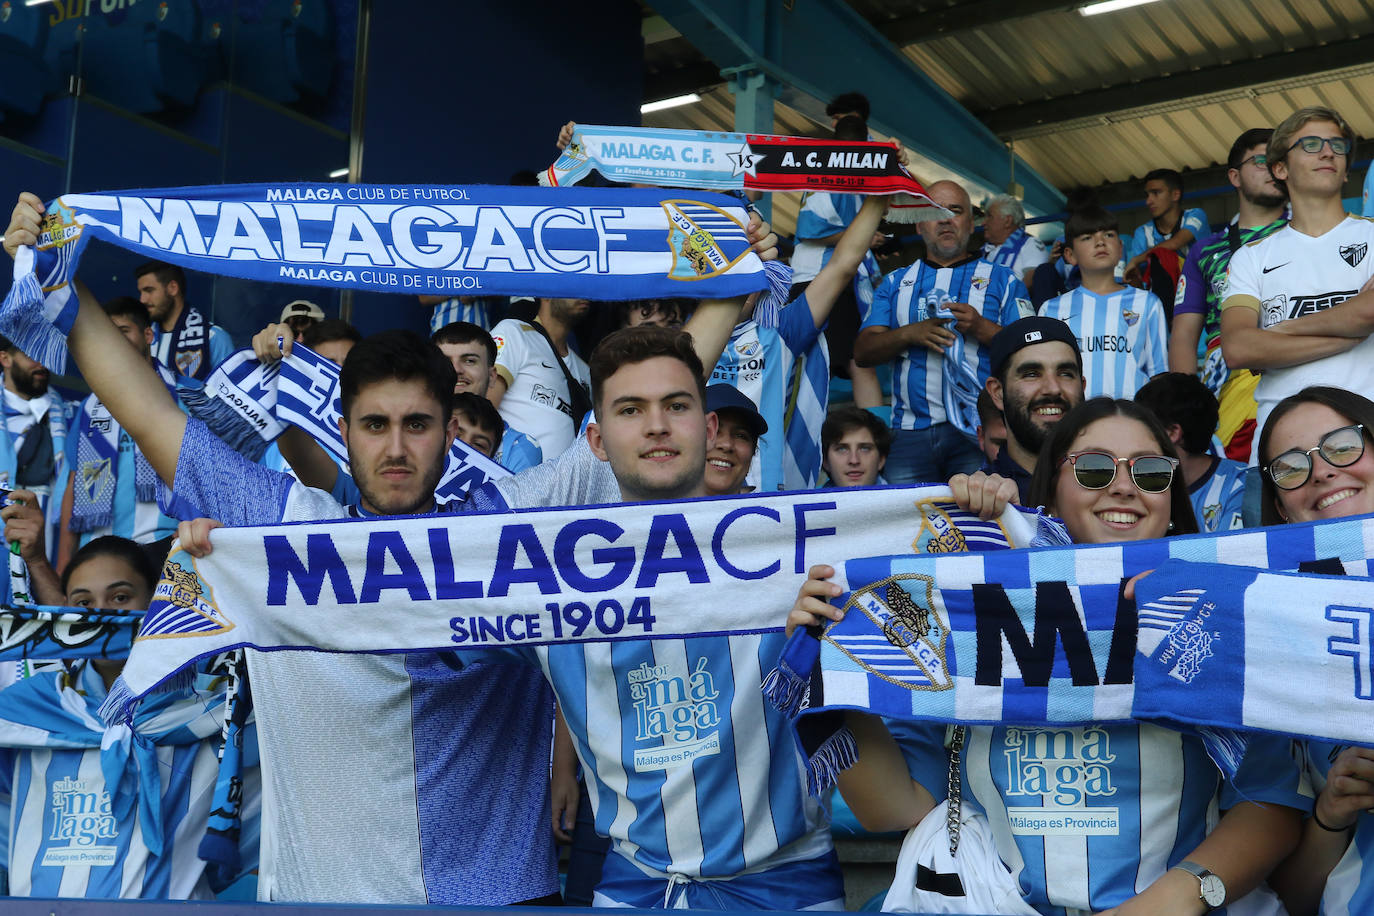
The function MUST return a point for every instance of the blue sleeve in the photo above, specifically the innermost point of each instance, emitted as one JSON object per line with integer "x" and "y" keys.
{"x": 1195, "y": 221}
{"x": 224, "y": 485}
{"x": 824, "y": 214}
{"x": 1190, "y": 298}
{"x": 345, "y": 491}
{"x": 880, "y": 313}
{"x": 923, "y": 747}
{"x": 519, "y": 452}
{"x": 1137, "y": 243}
{"x": 1368, "y": 209}
{"x": 1270, "y": 773}
{"x": 796, "y": 326}
{"x": 1232, "y": 516}
{"x": 1015, "y": 301}
{"x": 1158, "y": 355}
{"x": 221, "y": 345}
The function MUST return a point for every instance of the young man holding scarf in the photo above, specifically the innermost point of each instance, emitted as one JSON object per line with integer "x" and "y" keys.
{"x": 184, "y": 340}
{"x": 720, "y": 818}
{"x": 34, "y": 444}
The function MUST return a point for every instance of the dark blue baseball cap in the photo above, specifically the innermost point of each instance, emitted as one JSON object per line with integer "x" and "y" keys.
{"x": 1027, "y": 332}
{"x": 727, "y": 397}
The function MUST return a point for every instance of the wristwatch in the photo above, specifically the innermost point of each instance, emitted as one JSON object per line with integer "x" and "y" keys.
{"x": 1211, "y": 890}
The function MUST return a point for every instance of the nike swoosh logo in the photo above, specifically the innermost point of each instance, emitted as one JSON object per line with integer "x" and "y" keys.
{"x": 1265, "y": 270}
{"x": 545, "y": 365}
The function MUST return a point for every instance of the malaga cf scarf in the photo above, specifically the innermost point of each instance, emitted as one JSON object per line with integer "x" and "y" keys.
{"x": 592, "y": 243}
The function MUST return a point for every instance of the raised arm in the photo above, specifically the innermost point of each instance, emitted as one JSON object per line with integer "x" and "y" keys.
{"x": 714, "y": 319}
{"x": 120, "y": 376}
{"x": 850, "y": 249}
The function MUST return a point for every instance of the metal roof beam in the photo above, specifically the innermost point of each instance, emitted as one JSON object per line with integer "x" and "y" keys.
{"x": 1258, "y": 74}
{"x": 823, "y": 48}
{"x": 965, "y": 17}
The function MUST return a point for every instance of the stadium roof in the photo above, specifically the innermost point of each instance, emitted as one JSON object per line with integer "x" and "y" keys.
{"x": 1096, "y": 100}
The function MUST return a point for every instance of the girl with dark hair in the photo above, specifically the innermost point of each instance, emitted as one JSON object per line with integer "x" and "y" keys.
{"x": 1097, "y": 816}
{"x": 114, "y": 811}
{"x": 1316, "y": 464}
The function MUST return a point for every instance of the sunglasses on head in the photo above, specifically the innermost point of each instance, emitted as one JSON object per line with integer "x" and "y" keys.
{"x": 1339, "y": 448}
{"x": 1097, "y": 470}
{"x": 1339, "y": 145}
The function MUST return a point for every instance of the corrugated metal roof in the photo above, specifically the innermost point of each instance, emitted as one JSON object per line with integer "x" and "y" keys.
{"x": 1060, "y": 55}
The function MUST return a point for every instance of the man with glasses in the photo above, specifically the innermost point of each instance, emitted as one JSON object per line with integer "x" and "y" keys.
{"x": 1294, "y": 304}
{"x": 1197, "y": 303}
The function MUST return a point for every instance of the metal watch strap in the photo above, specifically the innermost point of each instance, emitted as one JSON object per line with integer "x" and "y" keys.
{"x": 1202, "y": 873}
{"x": 955, "y": 788}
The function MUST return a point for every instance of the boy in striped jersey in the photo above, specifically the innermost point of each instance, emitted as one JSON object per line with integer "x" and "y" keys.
{"x": 1120, "y": 329}
{"x": 902, "y": 327}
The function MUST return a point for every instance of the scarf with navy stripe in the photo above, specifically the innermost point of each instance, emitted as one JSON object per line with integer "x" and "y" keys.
{"x": 1046, "y": 638}
{"x": 592, "y": 243}
{"x": 97, "y": 464}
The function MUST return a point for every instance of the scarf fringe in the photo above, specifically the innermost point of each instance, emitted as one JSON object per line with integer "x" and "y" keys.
{"x": 907, "y": 209}
{"x": 837, "y": 754}
{"x": 768, "y": 311}
{"x": 23, "y": 322}
{"x": 118, "y": 708}
{"x": 1225, "y": 746}
{"x": 224, "y": 422}
{"x": 786, "y": 689}
{"x": 90, "y": 521}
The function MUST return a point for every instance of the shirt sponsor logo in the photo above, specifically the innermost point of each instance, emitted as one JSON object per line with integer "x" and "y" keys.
{"x": 680, "y": 713}
{"x": 1062, "y": 768}
{"x": 82, "y": 817}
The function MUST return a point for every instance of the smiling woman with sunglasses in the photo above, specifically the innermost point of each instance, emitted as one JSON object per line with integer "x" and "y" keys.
{"x": 1100, "y": 816}
{"x": 1317, "y": 464}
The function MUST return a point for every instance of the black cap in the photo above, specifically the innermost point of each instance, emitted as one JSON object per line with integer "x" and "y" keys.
{"x": 1027, "y": 332}
{"x": 728, "y": 397}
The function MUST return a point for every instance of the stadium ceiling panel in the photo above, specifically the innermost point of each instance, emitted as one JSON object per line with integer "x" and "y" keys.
{"x": 1093, "y": 99}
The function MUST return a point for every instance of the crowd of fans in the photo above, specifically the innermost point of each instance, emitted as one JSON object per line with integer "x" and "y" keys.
{"x": 1169, "y": 381}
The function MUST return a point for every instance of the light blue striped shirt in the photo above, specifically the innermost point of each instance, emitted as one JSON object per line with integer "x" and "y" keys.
{"x": 1122, "y": 337}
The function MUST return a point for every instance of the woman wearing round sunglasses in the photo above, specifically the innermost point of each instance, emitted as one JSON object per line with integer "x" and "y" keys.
{"x": 1316, "y": 464}
{"x": 1087, "y": 818}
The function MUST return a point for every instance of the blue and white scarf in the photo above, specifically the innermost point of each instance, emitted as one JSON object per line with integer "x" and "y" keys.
{"x": 39, "y": 632}
{"x": 1045, "y": 638}
{"x": 961, "y": 386}
{"x": 185, "y": 346}
{"x": 736, "y": 162}
{"x": 594, "y": 243}
{"x": 97, "y": 464}
{"x": 638, "y": 571}
{"x": 58, "y": 709}
{"x": 248, "y": 403}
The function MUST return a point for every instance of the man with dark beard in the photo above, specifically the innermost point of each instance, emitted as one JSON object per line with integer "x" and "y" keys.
{"x": 1037, "y": 377}
{"x": 33, "y": 451}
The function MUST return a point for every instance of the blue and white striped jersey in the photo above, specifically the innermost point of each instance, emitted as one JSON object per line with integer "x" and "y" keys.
{"x": 1146, "y": 236}
{"x": 822, "y": 215}
{"x": 761, "y": 363}
{"x": 691, "y": 770}
{"x": 71, "y": 834}
{"x": 911, "y": 295}
{"x": 454, "y": 309}
{"x": 1217, "y": 496}
{"x": 1349, "y": 888}
{"x": 1020, "y": 251}
{"x": 1122, "y": 337}
{"x": 1086, "y": 818}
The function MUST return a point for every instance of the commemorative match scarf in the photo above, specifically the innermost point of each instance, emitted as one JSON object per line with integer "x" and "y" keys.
{"x": 593, "y": 243}
{"x": 1045, "y": 638}
{"x": 756, "y": 162}
{"x": 97, "y": 464}
{"x": 638, "y": 571}
{"x": 248, "y": 403}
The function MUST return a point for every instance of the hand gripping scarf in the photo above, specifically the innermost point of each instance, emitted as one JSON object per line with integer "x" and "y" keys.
{"x": 593, "y": 243}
